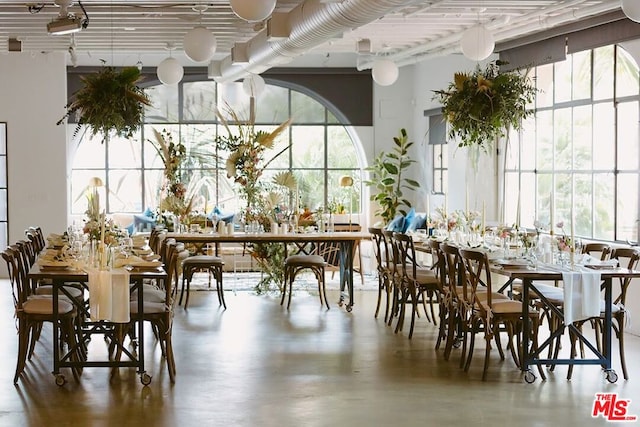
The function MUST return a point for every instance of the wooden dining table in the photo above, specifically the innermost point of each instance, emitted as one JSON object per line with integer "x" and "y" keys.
{"x": 529, "y": 277}
{"x": 304, "y": 242}
{"x": 58, "y": 278}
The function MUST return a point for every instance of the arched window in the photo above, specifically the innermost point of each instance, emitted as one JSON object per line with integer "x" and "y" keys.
{"x": 581, "y": 147}
{"x": 321, "y": 151}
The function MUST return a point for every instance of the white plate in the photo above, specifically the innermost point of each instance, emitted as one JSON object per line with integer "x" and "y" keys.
{"x": 145, "y": 264}
{"x": 511, "y": 263}
{"x": 53, "y": 263}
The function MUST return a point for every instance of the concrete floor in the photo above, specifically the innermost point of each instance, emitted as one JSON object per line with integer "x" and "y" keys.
{"x": 256, "y": 364}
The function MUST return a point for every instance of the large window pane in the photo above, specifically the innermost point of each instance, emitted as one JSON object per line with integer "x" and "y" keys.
{"x": 603, "y": 73}
{"x": 199, "y": 101}
{"x": 581, "y": 76}
{"x": 627, "y": 220}
{"x": 124, "y": 191}
{"x": 603, "y": 135}
{"x": 628, "y": 136}
{"x": 562, "y": 81}
{"x": 582, "y": 128}
{"x": 307, "y": 148}
{"x": 164, "y": 104}
{"x": 604, "y": 202}
{"x": 626, "y": 75}
{"x": 306, "y": 109}
{"x": 562, "y": 138}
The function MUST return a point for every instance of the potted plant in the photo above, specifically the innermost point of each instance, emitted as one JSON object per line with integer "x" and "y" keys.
{"x": 387, "y": 178}
{"x": 485, "y": 104}
{"x": 109, "y": 102}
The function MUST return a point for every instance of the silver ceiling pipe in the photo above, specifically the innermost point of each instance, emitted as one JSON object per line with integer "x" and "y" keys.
{"x": 310, "y": 24}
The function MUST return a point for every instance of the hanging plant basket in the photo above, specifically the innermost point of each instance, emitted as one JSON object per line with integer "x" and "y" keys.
{"x": 110, "y": 102}
{"x": 482, "y": 106}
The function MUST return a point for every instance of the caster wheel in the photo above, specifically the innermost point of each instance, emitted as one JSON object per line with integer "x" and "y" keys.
{"x": 457, "y": 343}
{"x": 60, "y": 380}
{"x": 612, "y": 377}
{"x": 529, "y": 377}
{"x": 349, "y": 308}
{"x": 145, "y": 379}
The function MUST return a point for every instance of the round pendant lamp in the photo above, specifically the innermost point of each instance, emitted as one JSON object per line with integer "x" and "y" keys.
{"x": 253, "y": 85}
{"x": 253, "y": 10}
{"x": 384, "y": 72}
{"x": 199, "y": 44}
{"x": 477, "y": 43}
{"x": 170, "y": 71}
{"x": 631, "y": 8}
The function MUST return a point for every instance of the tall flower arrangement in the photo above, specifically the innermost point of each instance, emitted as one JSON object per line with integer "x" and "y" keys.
{"x": 246, "y": 162}
{"x": 174, "y": 192}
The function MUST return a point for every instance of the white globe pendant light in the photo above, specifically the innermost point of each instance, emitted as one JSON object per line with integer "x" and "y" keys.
{"x": 477, "y": 43}
{"x": 253, "y": 85}
{"x": 384, "y": 72}
{"x": 631, "y": 8}
{"x": 199, "y": 44}
{"x": 253, "y": 10}
{"x": 170, "y": 72}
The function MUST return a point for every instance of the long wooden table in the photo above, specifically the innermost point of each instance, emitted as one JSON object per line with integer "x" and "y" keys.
{"x": 345, "y": 241}
{"x": 58, "y": 278}
{"x": 532, "y": 357}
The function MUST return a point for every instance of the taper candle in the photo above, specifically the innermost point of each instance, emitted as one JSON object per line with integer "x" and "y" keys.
{"x": 483, "y": 217}
{"x": 551, "y": 222}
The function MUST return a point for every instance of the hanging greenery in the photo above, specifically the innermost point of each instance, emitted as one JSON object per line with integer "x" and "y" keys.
{"x": 486, "y": 104}
{"x": 109, "y": 102}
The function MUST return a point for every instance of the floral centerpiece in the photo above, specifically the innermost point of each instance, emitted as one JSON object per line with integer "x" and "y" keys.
{"x": 483, "y": 105}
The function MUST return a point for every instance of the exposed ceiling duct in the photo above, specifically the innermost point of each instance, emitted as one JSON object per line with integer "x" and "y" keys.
{"x": 310, "y": 24}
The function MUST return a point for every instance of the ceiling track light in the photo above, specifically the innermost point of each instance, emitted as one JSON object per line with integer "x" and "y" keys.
{"x": 66, "y": 22}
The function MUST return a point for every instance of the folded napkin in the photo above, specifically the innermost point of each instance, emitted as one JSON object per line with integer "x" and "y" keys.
{"x": 581, "y": 295}
{"x": 109, "y": 295}
{"x": 590, "y": 261}
{"x": 122, "y": 261}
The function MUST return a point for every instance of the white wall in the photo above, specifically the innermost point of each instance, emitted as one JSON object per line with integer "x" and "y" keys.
{"x": 33, "y": 90}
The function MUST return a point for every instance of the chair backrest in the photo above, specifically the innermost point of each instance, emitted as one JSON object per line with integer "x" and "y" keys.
{"x": 171, "y": 267}
{"x": 392, "y": 258}
{"x": 154, "y": 239}
{"x": 453, "y": 270}
{"x": 438, "y": 263}
{"x": 476, "y": 273}
{"x": 632, "y": 256}
{"x": 406, "y": 255}
{"x": 378, "y": 242}
{"x": 18, "y": 288}
{"x": 36, "y": 235}
{"x": 604, "y": 249}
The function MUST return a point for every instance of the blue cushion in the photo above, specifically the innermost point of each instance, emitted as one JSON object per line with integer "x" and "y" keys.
{"x": 408, "y": 219}
{"x": 397, "y": 224}
{"x": 419, "y": 221}
{"x": 226, "y": 217}
{"x": 141, "y": 222}
{"x": 131, "y": 228}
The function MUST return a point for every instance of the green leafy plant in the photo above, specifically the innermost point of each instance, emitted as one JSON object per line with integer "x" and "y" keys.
{"x": 485, "y": 104}
{"x": 388, "y": 180}
{"x": 109, "y": 102}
